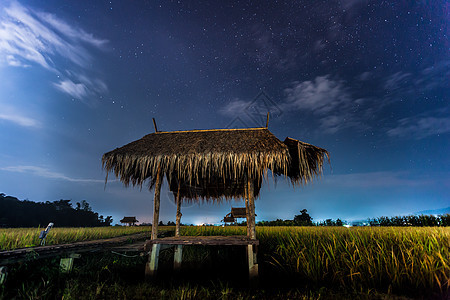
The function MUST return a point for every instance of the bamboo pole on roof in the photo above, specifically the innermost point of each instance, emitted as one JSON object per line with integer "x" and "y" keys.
{"x": 178, "y": 217}
{"x": 156, "y": 203}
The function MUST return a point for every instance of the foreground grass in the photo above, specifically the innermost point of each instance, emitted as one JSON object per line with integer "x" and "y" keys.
{"x": 359, "y": 261}
{"x": 13, "y": 238}
{"x": 378, "y": 257}
{"x": 109, "y": 276}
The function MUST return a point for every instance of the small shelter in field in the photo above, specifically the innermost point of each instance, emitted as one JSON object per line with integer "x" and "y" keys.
{"x": 130, "y": 221}
{"x": 236, "y": 212}
{"x": 211, "y": 166}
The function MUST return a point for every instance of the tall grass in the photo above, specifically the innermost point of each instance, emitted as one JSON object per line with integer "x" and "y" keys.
{"x": 13, "y": 238}
{"x": 213, "y": 230}
{"x": 367, "y": 257}
{"x": 390, "y": 257}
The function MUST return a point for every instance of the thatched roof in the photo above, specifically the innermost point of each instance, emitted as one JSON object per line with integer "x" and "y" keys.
{"x": 129, "y": 220}
{"x": 238, "y": 212}
{"x": 212, "y": 164}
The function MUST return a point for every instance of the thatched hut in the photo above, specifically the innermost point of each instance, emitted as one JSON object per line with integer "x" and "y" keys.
{"x": 130, "y": 221}
{"x": 212, "y": 165}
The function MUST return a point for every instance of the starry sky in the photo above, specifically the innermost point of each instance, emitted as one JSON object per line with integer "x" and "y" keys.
{"x": 366, "y": 80}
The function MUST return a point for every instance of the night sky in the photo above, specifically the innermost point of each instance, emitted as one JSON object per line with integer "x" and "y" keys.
{"x": 366, "y": 80}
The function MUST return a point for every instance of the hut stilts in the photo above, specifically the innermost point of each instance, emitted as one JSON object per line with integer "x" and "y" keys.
{"x": 152, "y": 264}
{"x": 251, "y": 229}
{"x": 178, "y": 217}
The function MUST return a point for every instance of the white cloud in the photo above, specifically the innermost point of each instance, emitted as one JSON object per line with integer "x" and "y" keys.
{"x": 329, "y": 100}
{"x": 30, "y": 37}
{"x": 320, "y": 96}
{"x": 9, "y": 114}
{"x": 397, "y": 80}
{"x": 234, "y": 107}
{"x": 364, "y": 76}
{"x": 20, "y": 120}
{"x": 76, "y": 90}
{"x": 420, "y": 127}
{"x": 46, "y": 173}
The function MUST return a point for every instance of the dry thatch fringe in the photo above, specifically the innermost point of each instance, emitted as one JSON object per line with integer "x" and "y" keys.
{"x": 306, "y": 161}
{"x": 194, "y": 168}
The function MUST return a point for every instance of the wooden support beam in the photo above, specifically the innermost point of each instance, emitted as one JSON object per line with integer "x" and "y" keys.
{"x": 3, "y": 274}
{"x": 178, "y": 217}
{"x": 252, "y": 263}
{"x": 267, "y": 122}
{"x": 247, "y": 208}
{"x": 152, "y": 264}
{"x": 154, "y": 125}
{"x": 251, "y": 209}
{"x": 177, "y": 257}
{"x": 156, "y": 203}
{"x": 66, "y": 264}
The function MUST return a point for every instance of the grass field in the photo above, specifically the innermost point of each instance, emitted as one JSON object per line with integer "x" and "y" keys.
{"x": 383, "y": 259}
{"x": 392, "y": 257}
{"x": 13, "y": 238}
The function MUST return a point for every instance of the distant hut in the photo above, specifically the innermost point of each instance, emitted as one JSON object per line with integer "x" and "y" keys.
{"x": 229, "y": 219}
{"x": 130, "y": 221}
{"x": 213, "y": 165}
{"x": 236, "y": 212}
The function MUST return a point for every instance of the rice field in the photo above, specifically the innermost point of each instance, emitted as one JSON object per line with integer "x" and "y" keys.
{"x": 13, "y": 238}
{"x": 381, "y": 258}
{"x": 393, "y": 257}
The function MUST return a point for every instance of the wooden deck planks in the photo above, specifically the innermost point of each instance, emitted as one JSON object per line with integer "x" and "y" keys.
{"x": 13, "y": 256}
{"x": 204, "y": 240}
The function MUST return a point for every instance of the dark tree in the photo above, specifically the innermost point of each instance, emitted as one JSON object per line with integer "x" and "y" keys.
{"x": 304, "y": 219}
{"x": 108, "y": 221}
{"x": 85, "y": 206}
{"x": 17, "y": 213}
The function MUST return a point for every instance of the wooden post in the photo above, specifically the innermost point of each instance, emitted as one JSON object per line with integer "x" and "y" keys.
{"x": 251, "y": 208}
{"x": 156, "y": 202}
{"x": 66, "y": 264}
{"x": 251, "y": 231}
{"x": 252, "y": 264}
{"x": 178, "y": 218}
{"x": 267, "y": 122}
{"x": 152, "y": 265}
{"x": 247, "y": 208}
{"x": 3, "y": 274}
{"x": 177, "y": 258}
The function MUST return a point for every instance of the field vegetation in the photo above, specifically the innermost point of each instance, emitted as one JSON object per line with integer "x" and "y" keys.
{"x": 304, "y": 262}
{"x": 13, "y": 238}
{"x": 377, "y": 257}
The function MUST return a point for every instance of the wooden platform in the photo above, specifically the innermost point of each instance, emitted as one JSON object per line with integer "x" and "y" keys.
{"x": 133, "y": 242}
{"x": 233, "y": 240}
{"x": 156, "y": 245}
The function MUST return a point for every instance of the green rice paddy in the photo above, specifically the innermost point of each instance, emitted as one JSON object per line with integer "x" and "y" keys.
{"x": 387, "y": 259}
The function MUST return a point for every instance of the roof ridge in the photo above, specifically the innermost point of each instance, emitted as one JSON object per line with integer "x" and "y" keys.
{"x": 218, "y": 129}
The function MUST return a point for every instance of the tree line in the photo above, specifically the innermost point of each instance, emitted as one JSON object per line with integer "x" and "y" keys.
{"x": 304, "y": 219}
{"x": 420, "y": 221}
{"x": 25, "y": 213}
